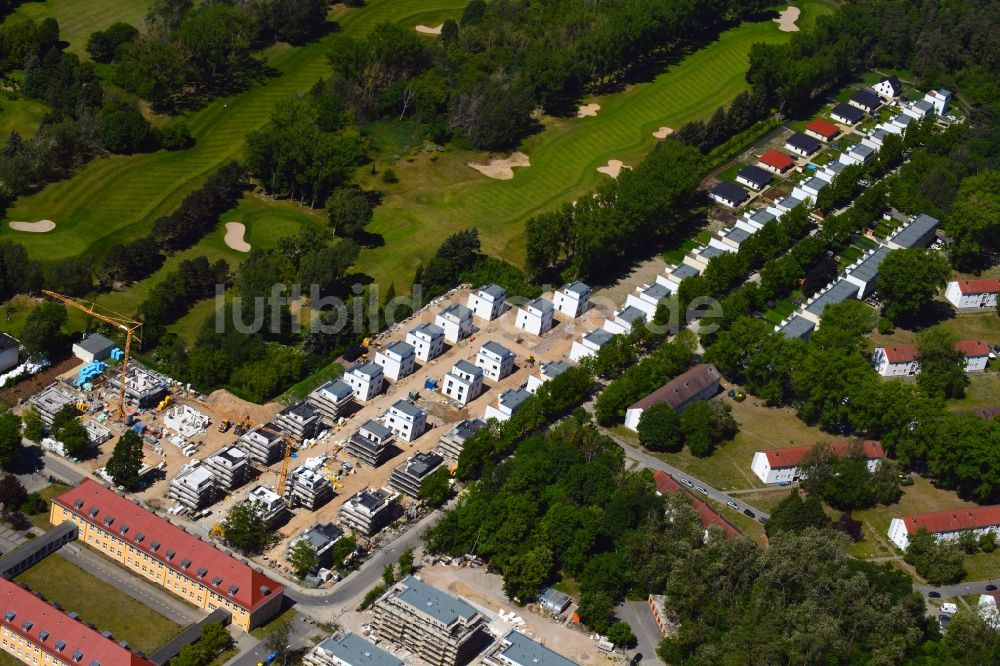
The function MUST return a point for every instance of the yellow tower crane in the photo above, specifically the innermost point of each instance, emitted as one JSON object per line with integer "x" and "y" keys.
{"x": 246, "y": 425}
{"x": 129, "y": 325}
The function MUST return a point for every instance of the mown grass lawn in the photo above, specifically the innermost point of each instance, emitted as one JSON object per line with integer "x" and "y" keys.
{"x": 20, "y": 115}
{"x": 79, "y": 18}
{"x": 99, "y": 603}
{"x": 48, "y": 492}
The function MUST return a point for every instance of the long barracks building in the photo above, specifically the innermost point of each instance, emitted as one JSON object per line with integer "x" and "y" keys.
{"x": 168, "y": 556}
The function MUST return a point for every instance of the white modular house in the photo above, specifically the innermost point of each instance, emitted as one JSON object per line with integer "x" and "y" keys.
{"x": 902, "y": 121}
{"x": 889, "y": 88}
{"x": 808, "y": 190}
{"x": 918, "y": 232}
{"x": 535, "y": 316}
{"x": 397, "y": 359}
{"x": 496, "y": 360}
{"x": 93, "y": 347}
{"x": 427, "y": 341}
{"x": 755, "y": 221}
{"x": 864, "y": 271}
{"x": 589, "y": 344}
{"x": 830, "y": 171}
{"x": 456, "y": 322}
{"x": 785, "y": 205}
{"x": 365, "y": 380}
{"x": 332, "y": 399}
{"x": 546, "y": 371}
{"x": 573, "y": 299}
{"x": 973, "y": 294}
{"x": 506, "y": 405}
{"x": 838, "y": 292}
{"x": 782, "y": 465}
{"x": 796, "y": 327}
{"x": 406, "y": 420}
{"x": 463, "y": 383}
{"x": 875, "y": 138}
{"x": 946, "y": 525}
{"x": 488, "y": 302}
{"x": 730, "y": 239}
{"x": 858, "y": 154}
{"x": 624, "y": 319}
{"x": 647, "y": 298}
{"x": 939, "y": 100}
{"x": 700, "y": 257}
{"x": 919, "y": 109}
{"x": 896, "y": 361}
{"x": 672, "y": 276}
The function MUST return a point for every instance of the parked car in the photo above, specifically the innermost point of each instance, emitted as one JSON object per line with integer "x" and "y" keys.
{"x": 762, "y": 520}
{"x": 750, "y": 513}
{"x": 687, "y": 483}
{"x": 732, "y": 505}
{"x": 950, "y": 609}
{"x": 701, "y": 490}
{"x": 934, "y": 594}
{"x": 991, "y": 587}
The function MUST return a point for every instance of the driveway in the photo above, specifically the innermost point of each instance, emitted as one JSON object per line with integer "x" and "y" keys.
{"x": 640, "y": 618}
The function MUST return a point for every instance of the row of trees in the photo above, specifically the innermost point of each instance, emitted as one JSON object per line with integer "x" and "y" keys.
{"x": 702, "y": 427}
{"x": 170, "y": 299}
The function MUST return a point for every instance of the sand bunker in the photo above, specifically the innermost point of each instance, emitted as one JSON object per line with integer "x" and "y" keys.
{"x": 613, "y": 168}
{"x": 501, "y": 169}
{"x": 436, "y": 30}
{"x": 588, "y": 110}
{"x": 34, "y": 227}
{"x": 234, "y": 236}
{"x": 786, "y": 19}
{"x": 663, "y": 132}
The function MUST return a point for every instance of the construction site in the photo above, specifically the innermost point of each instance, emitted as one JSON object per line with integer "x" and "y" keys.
{"x": 335, "y": 458}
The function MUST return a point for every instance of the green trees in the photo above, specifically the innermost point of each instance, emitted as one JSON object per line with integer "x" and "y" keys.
{"x": 214, "y": 639}
{"x": 845, "y": 482}
{"x": 303, "y": 558}
{"x": 660, "y": 429}
{"x": 939, "y": 562}
{"x": 973, "y": 220}
{"x": 349, "y": 212}
{"x": 126, "y": 461}
{"x": 942, "y": 365}
{"x": 34, "y": 427}
{"x": 244, "y": 528}
{"x": 705, "y": 425}
{"x": 124, "y": 129}
{"x": 42, "y": 332}
{"x": 404, "y": 565}
{"x": 435, "y": 489}
{"x": 620, "y": 633}
{"x": 105, "y": 45}
{"x": 67, "y": 429}
{"x": 795, "y": 515}
{"x": 10, "y": 438}
{"x": 525, "y": 573}
{"x": 12, "y": 493}
{"x": 908, "y": 280}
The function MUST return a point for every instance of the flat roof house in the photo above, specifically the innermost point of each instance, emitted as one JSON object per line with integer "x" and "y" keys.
{"x": 488, "y": 301}
{"x": 230, "y": 466}
{"x": 506, "y": 405}
{"x": 516, "y": 649}
{"x": 875, "y": 138}
{"x": 535, "y": 316}
{"x": 496, "y": 360}
{"x": 332, "y": 399}
{"x": 456, "y": 322}
{"x": 939, "y": 99}
{"x": 830, "y": 171}
{"x": 821, "y": 129}
{"x": 8, "y": 352}
{"x": 407, "y": 476}
{"x": 322, "y": 536}
{"x": 397, "y": 359}
{"x": 546, "y": 371}
{"x": 973, "y": 294}
{"x": 847, "y": 114}
{"x": 864, "y": 271}
{"x": 368, "y": 511}
{"x": 272, "y": 506}
{"x": 365, "y": 380}
{"x": 263, "y": 446}
{"x": 623, "y": 320}
{"x": 463, "y": 383}
{"x": 919, "y": 109}
{"x": 918, "y": 232}
{"x": 945, "y": 525}
{"x": 93, "y": 347}
{"x": 427, "y": 341}
{"x": 672, "y": 276}
{"x": 573, "y": 299}
{"x": 857, "y": 154}
{"x": 309, "y": 488}
{"x": 699, "y": 383}
{"x": 782, "y": 465}
{"x": 729, "y": 194}
{"x": 889, "y": 87}
{"x": 371, "y": 443}
{"x": 406, "y": 420}
{"x": 796, "y": 327}
{"x": 589, "y": 344}
{"x": 754, "y": 221}
{"x": 452, "y": 442}
{"x": 193, "y": 488}
{"x": 349, "y": 649}
{"x": 50, "y": 400}
{"x": 647, "y": 297}
{"x": 840, "y": 291}
{"x": 300, "y": 420}
{"x": 754, "y": 177}
{"x": 803, "y": 145}
{"x": 809, "y": 189}
{"x": 865, "y": 99}
{"x": 776, "y": 161}
{"x": 165, "y": 555}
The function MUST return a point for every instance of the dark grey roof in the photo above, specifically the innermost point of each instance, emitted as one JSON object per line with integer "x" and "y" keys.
{"x": 599, "y": 337}
{"x": 631, "y": 314}
{"x": 730, "y": 192}
{"x": 400, "y": 348}
{"x": 851, "y": 114}
{"x": 303, "y": 410}
{"x": 838, "y": 293}
{"x": 540, "y": 304}
{"x": 656, "y": 291}
{"x": 866, "y": 97}
{"x": 894, "y": 83}
{"x": 762, "y": 217}
{"x": 458, "y": 310}
{"x": 903, "y": 119}
{"x": 95, "y": 343}
{"x": 429, "y": 329}
{"x": 356, "y": 651}
{"x": 408, "y": 408}
{"x": 815, "y": 183}
{"x": 710, "y": 252}
{"x": 492, "y": 290}
{"x": 467, "y": 367}
{"x": 737, "y": 235}
{"x": 497, "y": 348}
{"x": 878, "y": 134}
{"x": 513, "y": 398}
{"x": 467, "y": 428}
{"x": 683, "y": 271}
{"x": 577, "y": 288}
{"x": 370, "y": 368}
{"x": 524, "y": 651}
{"x": 423, "y": 598}
{"x": 923, "y": 105}
{"x": 376, "y": 428}
{"x": 337, "y": 388}
{"x": 553, "y": 368}
{"x": 372, "y": 499}
{"x": 838, "y": 167}
{"x": 863, "y": 150}
{"x": 803, "y": 142}
{"x": 421, "y": 464}
{"x": 789, "y": 203}
{"x": 797, "y": 327}
{"x": 7, "y": 342}
{"x": 916, "y": 231}
{"x": 867, "y": 270}
{"x": 756, "y": 175}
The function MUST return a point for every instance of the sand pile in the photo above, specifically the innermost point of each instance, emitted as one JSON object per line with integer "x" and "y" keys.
{"x": 234, "y": 237}
{"x": 502, "y": 168}
{"x": 588, "y": 110}
{"x": 663, "y": 132}
{"x": 34, "y": 227}
{"x": 613, "y": 168}
{"x": 426, "y": 30}
{"x": 786, "y": 19}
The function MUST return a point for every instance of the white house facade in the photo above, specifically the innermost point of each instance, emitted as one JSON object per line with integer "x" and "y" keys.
{"x": 782, "y": 465}
{"x": 973, "y": 294}
{"x": 488, "y": 302}
{"x": 946, "y": 525}
{"x": 397, "y": 359}
{"x": 573, "y": 299}
{"x": 406, "y": 420}
{"x": 896, "y": 361}
{"x": 506, "y": 405}
{"x": 546, "y": 371}
{"x": 463, "y": 383}
{"x": 589, "y": 344}
{"x": 456, "y": 322}
{"x": 535, "y": 317}
{"x": 365, "y": 380}
{"x": 427, "y": 341}
{"x": 495, "y": 360}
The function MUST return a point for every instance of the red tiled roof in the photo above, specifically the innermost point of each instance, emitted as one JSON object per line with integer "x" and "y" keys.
{"x": 953, "y": 521}
{"x": 250, "y": 584}
{"x": 777, "y": 159}
{"x": 666, "y": 484}
{"x": 59, "y": 628}
{"x": 972, "y": 348}
{"x": 900, "y": 353}
{"x": 793, "y": 455}
{"x": 987, "y": 286}
{"x": 682, "y": 388}
{"x": 823, "y": 128}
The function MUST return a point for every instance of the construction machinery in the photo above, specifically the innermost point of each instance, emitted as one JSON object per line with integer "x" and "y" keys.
{"x": 225, "y": 425}
{"x": 244, "y": 426}
{"x": 128, "y": 325}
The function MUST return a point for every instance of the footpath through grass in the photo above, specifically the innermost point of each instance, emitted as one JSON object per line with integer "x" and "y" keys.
{"x": 99, "y": 603}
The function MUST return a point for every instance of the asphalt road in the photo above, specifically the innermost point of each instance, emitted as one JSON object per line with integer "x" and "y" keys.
{"x": 959, "y": 589}
{"x": 640, "y": 619}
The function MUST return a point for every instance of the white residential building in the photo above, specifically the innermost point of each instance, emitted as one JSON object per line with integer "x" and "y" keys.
{"x": 506, "y": 405}
{"x": 365, "y": 380}
{"x": 973, "y": 294}
{"x": 624, "y": 319}
{"x": 516, "y": 649}
{"x": 896, "y": 361}
{"x": 456, "y": 322}
{"x": 946, "y": 525}
{"x": 8, "y": 352}
{"x": 573, "y": 299}
{"x": 918, "y": 232}
{"x": 782, "y": 465}
{"x": 976, "y": 352}
{"x": 647, "y": 298}
{"x": 332, "y": 399}
{"x": 273, "y": 507}
{"x": 754, "y": 221}
{"x": 874, "y": 139}
{"x": 496, "y": 360}
{"x": 672, "y": 276}
{"x": 488, "y": 301}
{"x": 406, "y": 420}
{"x": 546, "y": 371}
{"x": 463, "y": 383}
{"x": 397, "y": 359}
{"x": 808, "y": 190}
{"x": 939, "y": 99}
{"x": 864, "y": 272}
{"x": 535, "y": 317}
{"x": 349, "y": 650}
{"x": 857, "y": 154}
{"x": 919, "y": 109}
{"x": 589, "y": 344}
{"x": 427, "y": 341}
{"x": 889, "y": 88}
